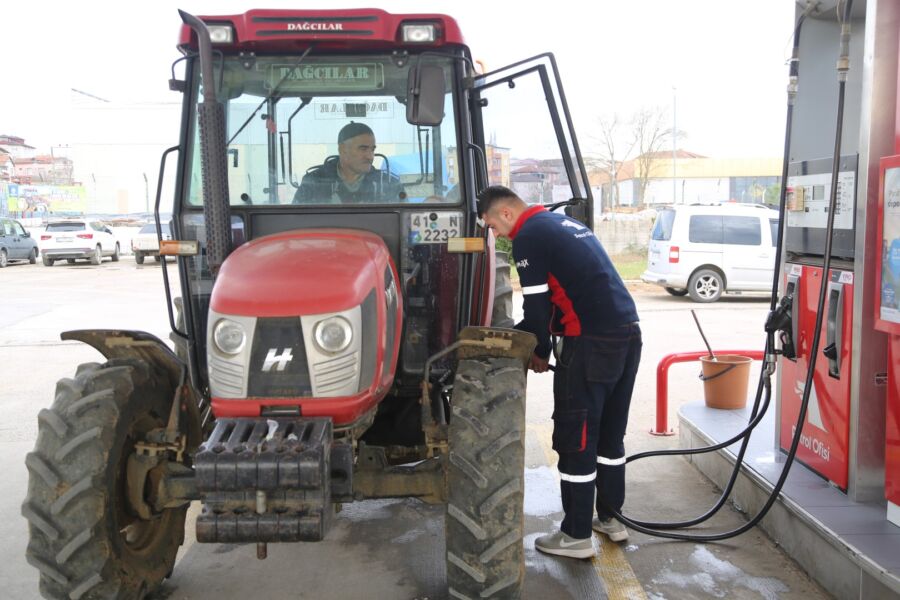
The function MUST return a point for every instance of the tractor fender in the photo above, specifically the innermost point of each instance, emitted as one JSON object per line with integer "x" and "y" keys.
{"x": 120, "y": 344}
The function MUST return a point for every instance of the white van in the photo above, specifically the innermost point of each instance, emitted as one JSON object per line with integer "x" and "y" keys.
{"x": 705, "y": 250}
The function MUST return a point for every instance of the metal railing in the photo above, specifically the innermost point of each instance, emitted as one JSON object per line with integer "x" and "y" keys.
{"x": 662, "y": 382}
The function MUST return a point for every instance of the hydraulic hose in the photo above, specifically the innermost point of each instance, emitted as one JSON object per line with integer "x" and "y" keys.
{"x": 659, "y": 529}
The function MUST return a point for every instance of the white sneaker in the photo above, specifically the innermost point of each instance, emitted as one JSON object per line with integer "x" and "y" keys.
{"x": 562, "y": 544}
{"x": 614, "y": 530}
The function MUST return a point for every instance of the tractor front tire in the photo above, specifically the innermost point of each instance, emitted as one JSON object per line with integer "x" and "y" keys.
{"x": 485, "y": 518}
{"x": 84, "y": 538}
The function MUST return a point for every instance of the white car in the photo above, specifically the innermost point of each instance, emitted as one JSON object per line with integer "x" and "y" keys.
{"x": 145, "y": 242}
{"x": 706, "y": 250}
{"x": 78, "y": 239}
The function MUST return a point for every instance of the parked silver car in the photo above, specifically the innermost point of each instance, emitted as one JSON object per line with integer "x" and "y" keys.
{"x": 16, "y": 243}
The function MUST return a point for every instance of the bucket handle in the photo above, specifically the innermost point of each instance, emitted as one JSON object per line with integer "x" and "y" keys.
{"x": 719, "y": 374}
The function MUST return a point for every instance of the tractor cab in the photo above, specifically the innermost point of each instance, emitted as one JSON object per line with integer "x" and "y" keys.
{"x": 292, "y": 89}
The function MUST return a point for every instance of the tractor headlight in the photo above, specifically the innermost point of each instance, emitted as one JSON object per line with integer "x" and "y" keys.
{"x": 333, "y": 334}
{"x": 229, "y": 336}
{"x": 220, "y": 34}
{"x": 418, "y": 33}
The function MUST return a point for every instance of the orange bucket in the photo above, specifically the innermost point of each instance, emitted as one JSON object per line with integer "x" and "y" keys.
{"x": 725, "y": 379}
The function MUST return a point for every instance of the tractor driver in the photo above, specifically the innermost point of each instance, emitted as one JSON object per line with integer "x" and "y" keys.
{"x": 349, "y": 177}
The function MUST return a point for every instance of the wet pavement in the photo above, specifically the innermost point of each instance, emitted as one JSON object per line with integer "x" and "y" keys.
{"x": 393, "y": 549}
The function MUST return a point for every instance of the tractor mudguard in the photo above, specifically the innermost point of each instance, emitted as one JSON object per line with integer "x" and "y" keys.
{"x": 119, "y": 343}
{"x": 496, "y": 342}
{"x": 124, "y": 345}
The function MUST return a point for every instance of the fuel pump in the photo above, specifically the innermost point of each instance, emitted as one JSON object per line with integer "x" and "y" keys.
{"x": 819, "y": 320}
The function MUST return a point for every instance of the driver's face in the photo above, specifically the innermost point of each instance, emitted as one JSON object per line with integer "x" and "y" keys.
{"x": 356, "y": 154}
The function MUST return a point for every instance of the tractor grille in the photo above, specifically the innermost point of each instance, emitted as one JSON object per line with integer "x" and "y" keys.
{"x": 229, "y": 377}
{"x": 278, "y": 367}
{"x": 332, "y": 375}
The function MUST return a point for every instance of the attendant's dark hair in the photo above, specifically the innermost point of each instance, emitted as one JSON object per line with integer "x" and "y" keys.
{"x": 493, "y": 195}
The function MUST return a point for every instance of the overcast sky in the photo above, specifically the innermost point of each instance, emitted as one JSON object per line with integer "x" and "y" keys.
{"x": 726, "y": 59}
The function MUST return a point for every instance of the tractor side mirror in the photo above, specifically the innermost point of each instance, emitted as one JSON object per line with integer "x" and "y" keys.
{"x": 425, "y": 102}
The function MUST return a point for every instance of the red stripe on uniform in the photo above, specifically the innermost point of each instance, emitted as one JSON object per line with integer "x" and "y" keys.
{"x": 583, "y": 437}
{"x": 524, "y": 217}
{"x": 571, "y": 323}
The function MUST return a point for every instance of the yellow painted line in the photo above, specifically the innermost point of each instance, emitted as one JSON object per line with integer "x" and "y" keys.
{"x": 610, "y": 565}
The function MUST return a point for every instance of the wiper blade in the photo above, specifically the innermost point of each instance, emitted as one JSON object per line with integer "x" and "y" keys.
{"x": 274, "y": 92}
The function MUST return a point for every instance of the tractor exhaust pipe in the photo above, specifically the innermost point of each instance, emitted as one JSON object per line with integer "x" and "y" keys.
{"x": 213, "y": 155}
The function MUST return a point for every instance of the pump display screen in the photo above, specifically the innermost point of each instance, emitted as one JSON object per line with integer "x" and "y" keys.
{"x": 809, "y": 199}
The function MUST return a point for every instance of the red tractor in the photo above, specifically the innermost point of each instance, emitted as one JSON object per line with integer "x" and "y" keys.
{"x": 330, "y": 346}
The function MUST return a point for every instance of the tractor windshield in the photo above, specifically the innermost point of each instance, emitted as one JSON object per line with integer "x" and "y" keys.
{"x": 289, "y": 142}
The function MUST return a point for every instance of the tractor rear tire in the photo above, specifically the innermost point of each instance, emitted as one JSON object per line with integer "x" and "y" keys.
{"x": 83, "y": 537}
{"x": 485, "y": 518}
{"x": 502, "y": 315}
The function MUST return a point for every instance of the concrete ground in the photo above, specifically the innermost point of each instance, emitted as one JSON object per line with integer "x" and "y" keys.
{"x": 394, "y": 549}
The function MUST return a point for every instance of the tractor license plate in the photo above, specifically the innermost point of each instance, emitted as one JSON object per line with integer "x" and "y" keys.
{"x": 434, "y": 227}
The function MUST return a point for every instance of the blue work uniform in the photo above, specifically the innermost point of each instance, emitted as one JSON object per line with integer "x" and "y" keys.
{"x": 571, "y": 289}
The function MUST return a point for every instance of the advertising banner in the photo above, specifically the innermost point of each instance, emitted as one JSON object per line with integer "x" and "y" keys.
{"x": 887, "y": 263}
{"x": 45, "y": 200}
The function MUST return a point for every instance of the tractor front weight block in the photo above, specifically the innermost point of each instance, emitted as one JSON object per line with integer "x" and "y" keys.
{"x": 265, "y": 480}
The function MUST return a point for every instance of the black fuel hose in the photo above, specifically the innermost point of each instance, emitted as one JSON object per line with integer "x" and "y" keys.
{"x": 765, "y": 375}
{"x": 755, "y": 417}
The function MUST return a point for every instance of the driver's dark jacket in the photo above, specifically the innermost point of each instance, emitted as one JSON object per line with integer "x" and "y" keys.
{"x": 321, "y": 184}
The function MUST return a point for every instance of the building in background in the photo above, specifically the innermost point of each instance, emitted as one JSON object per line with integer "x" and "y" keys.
{"x": 37, "y": 186}
{"x": 43, "y": 169}
{"x": 498, "y": 164}
{"x": 647, "y": 181}
{"x": 16, "y": 147}
{"x": 6, "y": 165}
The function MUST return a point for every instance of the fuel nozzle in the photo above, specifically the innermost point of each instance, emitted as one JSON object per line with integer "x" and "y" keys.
{"x": 780, "y": 322}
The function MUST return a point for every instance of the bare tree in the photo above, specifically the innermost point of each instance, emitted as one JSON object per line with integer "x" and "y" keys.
{"x": 650, "y": 136}
{"x": 613, "y": 148}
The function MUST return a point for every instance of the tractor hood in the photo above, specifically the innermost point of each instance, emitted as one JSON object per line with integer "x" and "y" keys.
{"x": 299, "y": 272}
